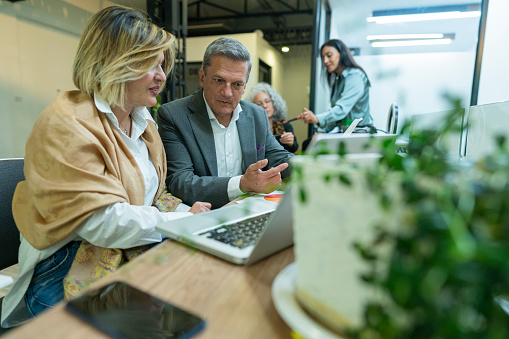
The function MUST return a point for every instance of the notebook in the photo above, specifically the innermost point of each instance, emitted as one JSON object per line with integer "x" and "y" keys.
{"x": 206, "y": 231}
{"x": 355, "y": 143}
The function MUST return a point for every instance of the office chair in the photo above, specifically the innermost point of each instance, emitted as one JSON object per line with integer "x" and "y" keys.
{"x": 11, "y": 172}
{"x": 392, "y": 119}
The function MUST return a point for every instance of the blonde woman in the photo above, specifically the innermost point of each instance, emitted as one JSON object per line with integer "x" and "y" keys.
{"x": 94, "y": 161}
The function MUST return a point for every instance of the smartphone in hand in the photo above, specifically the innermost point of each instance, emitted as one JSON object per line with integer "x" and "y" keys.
{"x": 125, "y": 312}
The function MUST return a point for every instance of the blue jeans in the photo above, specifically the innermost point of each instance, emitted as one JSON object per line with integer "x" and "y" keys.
{"x": 46, "y": 287}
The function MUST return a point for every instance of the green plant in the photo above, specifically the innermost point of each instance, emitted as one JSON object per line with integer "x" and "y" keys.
{"x": 449, "y": 258}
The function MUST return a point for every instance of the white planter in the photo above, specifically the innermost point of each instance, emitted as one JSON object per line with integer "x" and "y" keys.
{"x": 326, "y": 225}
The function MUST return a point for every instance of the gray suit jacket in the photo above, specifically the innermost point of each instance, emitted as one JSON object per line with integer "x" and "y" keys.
{"x": 188, "y": 139}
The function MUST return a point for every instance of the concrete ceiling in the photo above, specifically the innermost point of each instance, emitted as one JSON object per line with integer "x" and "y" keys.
{"x": 282, "y": 22}
{"x": 290, "y": 22}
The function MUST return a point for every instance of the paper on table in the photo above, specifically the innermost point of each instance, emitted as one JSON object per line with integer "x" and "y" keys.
{"x": 352, "y": 126}
{"x": 261, "y": 196}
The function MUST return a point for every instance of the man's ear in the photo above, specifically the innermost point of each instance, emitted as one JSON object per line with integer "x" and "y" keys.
{"x": 202, "y": 77}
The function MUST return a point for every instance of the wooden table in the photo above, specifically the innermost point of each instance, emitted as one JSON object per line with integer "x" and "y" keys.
{"x": 234, "y": 300}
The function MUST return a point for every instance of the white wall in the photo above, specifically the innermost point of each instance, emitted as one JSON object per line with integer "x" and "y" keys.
{"x": 495, "y": 67}
{"x": 416, "y": 82}
{"x": 39, "y": 40}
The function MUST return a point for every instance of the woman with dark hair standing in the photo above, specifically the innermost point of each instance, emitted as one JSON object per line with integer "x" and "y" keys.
{"x": 349, "y": 92}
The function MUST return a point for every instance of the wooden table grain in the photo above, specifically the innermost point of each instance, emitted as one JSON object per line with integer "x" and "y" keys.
{"x": 234, "y": 300}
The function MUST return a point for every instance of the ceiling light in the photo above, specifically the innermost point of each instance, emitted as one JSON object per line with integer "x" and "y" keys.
{"x": 285, "y": 49}
{"x": 422, "y": 42}
{"x": 425, "y": 13}
{"x": 405, "y": 36}
{"x": 423, "y": 17}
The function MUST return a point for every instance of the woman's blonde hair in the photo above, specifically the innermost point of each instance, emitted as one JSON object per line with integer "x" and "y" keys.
{"x": 119, "y": 45}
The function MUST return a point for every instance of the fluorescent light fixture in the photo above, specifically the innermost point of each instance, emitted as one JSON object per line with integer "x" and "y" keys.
{"x": 422, "y": 17}
{"x": 401, "y": 43}
{"x": 405, "y": 36}
{"x": 285, "y": 49}
{"x": 441, "y": 12}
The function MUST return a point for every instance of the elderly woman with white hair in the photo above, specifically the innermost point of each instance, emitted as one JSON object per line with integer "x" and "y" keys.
{"x": 264, "y": 95}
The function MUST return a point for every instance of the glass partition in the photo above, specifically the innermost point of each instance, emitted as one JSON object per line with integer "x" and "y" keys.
{"x": 485, "y": 122}
{"x": 414, "y": 52}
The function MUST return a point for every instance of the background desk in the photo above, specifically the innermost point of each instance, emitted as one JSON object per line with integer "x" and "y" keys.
{"x": 234, "y": 300}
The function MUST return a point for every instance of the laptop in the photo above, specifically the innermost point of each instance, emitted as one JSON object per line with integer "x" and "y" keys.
{"x": 355, "y": 143}
{"x": 218, "y": 232}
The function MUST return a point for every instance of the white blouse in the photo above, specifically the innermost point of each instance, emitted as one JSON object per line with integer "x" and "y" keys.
{"x": 119, "y": 225}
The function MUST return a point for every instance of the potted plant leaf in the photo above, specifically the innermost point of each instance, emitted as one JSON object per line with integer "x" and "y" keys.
{"x": 449, "y": 268}
{"x": 436, "y": 262}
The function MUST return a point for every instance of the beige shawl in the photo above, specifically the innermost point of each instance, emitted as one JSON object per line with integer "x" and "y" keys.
{"x": 75, "y": 164}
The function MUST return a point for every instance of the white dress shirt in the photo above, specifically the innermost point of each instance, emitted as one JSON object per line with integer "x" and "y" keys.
{"x": 228, "y": 150}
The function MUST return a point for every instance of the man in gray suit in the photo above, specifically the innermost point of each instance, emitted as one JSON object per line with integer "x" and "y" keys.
{"x": 218, "y": 146}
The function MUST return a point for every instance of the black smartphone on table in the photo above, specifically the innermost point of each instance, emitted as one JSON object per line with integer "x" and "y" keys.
{"x": 125, "y": 312}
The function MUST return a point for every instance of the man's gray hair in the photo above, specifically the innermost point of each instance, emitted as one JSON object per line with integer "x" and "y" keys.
{"x": 230, "y": 48}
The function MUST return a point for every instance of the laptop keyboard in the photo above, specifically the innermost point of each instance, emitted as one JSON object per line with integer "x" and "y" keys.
{"x": 240, "y": 234}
